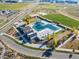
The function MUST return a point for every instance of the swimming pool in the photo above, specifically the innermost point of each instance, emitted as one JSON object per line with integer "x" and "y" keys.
{"x": 43, "y": 28}
{"x": 38, "y": 26}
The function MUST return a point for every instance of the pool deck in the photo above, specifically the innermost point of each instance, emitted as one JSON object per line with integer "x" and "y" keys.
{"x": 43, "y": 33}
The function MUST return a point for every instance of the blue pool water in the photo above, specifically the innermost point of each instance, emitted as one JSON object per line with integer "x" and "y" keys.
{"x": 38, "y": 26}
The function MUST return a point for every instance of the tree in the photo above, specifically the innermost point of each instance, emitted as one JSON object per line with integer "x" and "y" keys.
{"x": 49, "y": 36}
{"x": 54, "y": 40}
{"x": 27, "y": 21}
{"x": 75, "y": 31}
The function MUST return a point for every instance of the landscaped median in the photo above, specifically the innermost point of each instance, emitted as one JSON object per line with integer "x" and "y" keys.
{"x": 32, "y": 57}
{"x": 18, "y": 42}
{"x": 67, "y": 50}
{"x": 63, "y": 20}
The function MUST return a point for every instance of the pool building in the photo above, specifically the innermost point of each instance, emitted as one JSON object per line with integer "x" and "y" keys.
{"x": 36, "y": 31}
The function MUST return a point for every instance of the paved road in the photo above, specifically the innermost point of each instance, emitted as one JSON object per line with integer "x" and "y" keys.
{"x": 10, "y": 43}
{"x": 26, "y": 51}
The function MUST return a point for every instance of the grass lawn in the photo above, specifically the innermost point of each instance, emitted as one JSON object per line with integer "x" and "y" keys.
{"x": 15, "y": 6}
{"x": 63, "y": 20}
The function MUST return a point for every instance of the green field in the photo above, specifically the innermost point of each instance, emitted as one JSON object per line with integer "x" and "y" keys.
{"x": 15, "y": 6}
{"x": 63, "y": 20}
